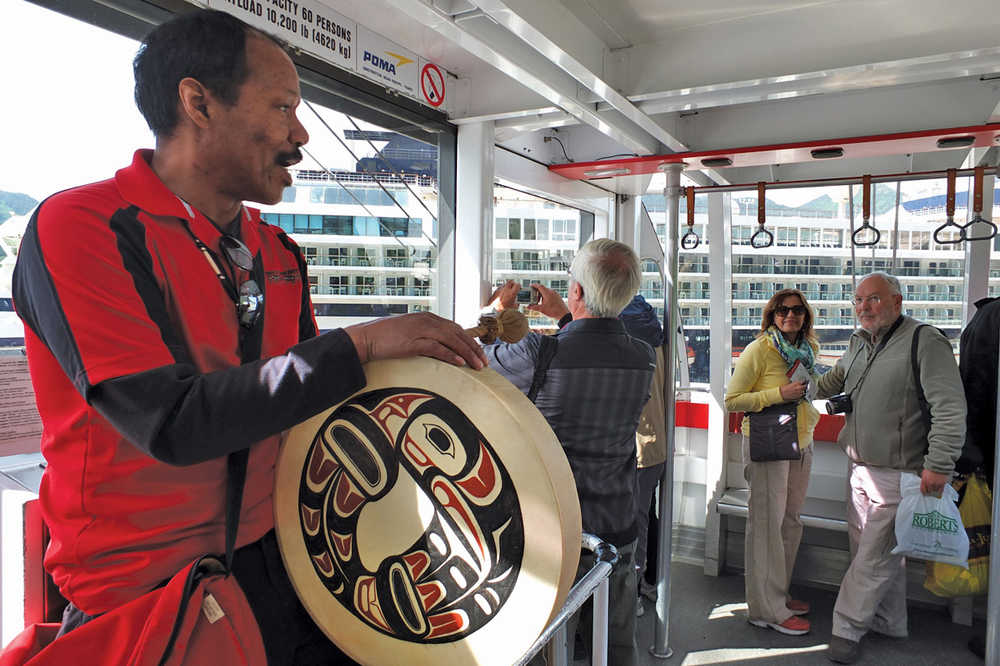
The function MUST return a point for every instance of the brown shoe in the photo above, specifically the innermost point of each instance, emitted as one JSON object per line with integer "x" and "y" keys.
{"x": 793, "y": 626}
{"x": 797, "y": 607}
{"x": 843, "y": 650}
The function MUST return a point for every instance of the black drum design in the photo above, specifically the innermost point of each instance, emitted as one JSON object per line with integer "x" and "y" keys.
{"x": 453, "y": 572}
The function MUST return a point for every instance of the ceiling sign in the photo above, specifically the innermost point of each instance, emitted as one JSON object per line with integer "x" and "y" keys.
{"x": 312, "y": 27}
{"x": 388, "y": 63}
{"x": 432, "y": 84}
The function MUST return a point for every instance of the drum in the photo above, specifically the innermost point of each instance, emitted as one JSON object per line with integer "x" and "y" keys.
{"x": 431, "y": 518}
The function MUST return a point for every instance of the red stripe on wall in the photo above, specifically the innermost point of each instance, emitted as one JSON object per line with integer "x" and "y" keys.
{"x": 695, "y": 415}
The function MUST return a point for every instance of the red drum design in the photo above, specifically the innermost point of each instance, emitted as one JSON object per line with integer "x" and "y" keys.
{"x": 431, "y": 516}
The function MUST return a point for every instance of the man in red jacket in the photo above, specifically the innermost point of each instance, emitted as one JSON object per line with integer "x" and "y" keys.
{"x": 168, "y": 330}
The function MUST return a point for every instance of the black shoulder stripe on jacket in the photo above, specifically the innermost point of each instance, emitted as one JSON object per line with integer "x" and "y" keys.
{"x": 130, "y": 235}
{"x": 37, "y": 303}
{"x": 307, "y": 329}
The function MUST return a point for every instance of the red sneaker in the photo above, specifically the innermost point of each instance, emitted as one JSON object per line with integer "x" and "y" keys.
{"x": 797, "y": 607}
{"x": 793, "y": 626}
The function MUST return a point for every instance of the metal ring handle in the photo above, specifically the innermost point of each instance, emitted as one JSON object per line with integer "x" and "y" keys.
{"x": 866, "y": 227}
{"x": 977, "y": 208}
{"x": 978, "y": 218}
{"x": 767, "y": 242}
{"x": 950, "y": 222}
{"x": 690, "y": 240}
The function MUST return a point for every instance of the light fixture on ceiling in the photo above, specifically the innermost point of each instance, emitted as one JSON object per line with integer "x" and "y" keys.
{"x": 956, "y": 141}
{"x": 827, "y": 153}
{"x": 607, "y": 173}
{"x": 716, "y": 162}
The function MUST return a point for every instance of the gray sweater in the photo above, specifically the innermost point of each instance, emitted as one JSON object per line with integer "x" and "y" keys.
{"x": 887, "y": 428}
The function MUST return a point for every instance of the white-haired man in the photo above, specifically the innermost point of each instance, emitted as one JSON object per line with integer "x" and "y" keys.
{"x": 594, "y": 388}
{"x": 886, "y": 433}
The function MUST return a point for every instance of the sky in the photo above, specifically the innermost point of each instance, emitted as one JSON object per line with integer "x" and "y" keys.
{"x": 67, "y": 116}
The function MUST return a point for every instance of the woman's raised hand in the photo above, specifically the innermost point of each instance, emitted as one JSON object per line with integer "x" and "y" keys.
{"x": 793, "y": 390}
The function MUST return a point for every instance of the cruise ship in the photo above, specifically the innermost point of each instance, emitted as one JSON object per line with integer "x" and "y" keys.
{"x": 380, "y": 258}
{"x": 370, "y": 240}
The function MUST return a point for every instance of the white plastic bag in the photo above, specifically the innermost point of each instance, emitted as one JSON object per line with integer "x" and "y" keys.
{"x": 928, "y": 527}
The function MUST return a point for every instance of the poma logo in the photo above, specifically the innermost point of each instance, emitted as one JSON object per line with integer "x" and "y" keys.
{"x": 386, "y": 65}
{"x": 936, "y": 522}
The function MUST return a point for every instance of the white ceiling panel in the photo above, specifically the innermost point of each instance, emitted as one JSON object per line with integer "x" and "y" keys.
{"x": 642, "y": 76}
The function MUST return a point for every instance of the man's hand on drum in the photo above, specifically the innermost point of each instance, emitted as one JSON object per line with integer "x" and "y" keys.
{"x": 416, "y": 334}
{"x": 549, "y": 303}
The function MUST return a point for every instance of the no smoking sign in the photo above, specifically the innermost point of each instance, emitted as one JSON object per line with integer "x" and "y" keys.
{"x": 432, "y": 84}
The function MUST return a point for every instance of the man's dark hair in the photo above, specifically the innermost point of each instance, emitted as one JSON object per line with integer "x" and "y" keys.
{"x": 207, "y": 45}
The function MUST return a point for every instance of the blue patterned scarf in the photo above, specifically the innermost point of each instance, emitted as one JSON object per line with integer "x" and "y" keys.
{"x": 792, "y": 353}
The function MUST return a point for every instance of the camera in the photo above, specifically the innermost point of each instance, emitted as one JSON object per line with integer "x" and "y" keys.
{"x": 839, "y": 404}
{"x": 528, "y": 296}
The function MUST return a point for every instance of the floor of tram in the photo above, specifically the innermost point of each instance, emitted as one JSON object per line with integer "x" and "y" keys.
{"x": 708, "y": 626}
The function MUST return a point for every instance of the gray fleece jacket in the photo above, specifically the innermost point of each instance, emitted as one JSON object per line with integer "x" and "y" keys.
{"x": 886, "y": 428}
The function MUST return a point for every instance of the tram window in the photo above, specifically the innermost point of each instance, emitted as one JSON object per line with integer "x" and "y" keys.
{"x": 339, "y": 284}
{"x": 528, "y": 229}
{"x": 564, "y": 229}
{"x": 532, "y": 243}
{"x": 514, "y": 228}
{"x": 787, "y": 236}
{"x": 809, "y": 237}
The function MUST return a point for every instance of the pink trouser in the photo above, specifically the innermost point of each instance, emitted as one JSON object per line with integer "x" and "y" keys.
{"x": 773, "y": 532}
{"x": 873, "y": 593}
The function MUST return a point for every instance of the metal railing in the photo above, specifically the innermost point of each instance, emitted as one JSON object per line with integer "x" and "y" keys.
{"x": 324, "y": 290}
{"x": 553, "y": 265}
{"x": 594, "y": 583}
{"x": 369, "y": 262}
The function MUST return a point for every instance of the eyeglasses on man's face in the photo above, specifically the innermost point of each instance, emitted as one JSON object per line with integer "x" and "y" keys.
{"x": 874, "y": 299}
{"x": 784, "y": 310}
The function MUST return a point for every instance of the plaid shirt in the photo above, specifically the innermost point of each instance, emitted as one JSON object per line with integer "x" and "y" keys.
{"x": 593, "y": 394}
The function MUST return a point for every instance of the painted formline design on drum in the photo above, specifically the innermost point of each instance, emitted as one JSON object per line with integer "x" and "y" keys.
{"x": 409, "y": 460}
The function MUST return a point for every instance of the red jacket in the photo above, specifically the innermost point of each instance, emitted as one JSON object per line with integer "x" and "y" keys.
{"x": 133, "y": 346}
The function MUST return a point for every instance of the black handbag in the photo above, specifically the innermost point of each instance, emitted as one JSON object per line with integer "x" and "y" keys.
{"x": 774, "y": 433}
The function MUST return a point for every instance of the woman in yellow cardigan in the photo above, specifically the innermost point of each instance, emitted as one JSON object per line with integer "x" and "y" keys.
{"x": 777, "y": 488}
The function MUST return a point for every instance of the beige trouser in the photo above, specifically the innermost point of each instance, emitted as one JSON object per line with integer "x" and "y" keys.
{"x": 873, "y": 592}
{"x": 773, "y": 533}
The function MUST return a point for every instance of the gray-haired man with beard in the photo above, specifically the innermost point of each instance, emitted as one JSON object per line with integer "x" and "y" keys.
{"x": 885, "y": 434}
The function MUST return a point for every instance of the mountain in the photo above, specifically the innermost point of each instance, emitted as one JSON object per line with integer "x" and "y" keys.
{"x": 15, "y": 203}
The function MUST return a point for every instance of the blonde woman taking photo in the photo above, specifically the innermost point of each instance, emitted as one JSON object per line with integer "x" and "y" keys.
{"x": 777, "y": 487}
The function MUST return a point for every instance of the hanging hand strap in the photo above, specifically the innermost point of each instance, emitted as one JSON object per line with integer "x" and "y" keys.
{"x": 866, "y": 215}
{"x": 690, "y": 240}
{"x": 977, "y": 209}
{"x": 952, "y": 174}
{"x": 767, "y": 238}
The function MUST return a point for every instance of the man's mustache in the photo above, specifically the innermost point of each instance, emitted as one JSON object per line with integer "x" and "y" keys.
{"x": 289, "y": 158}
